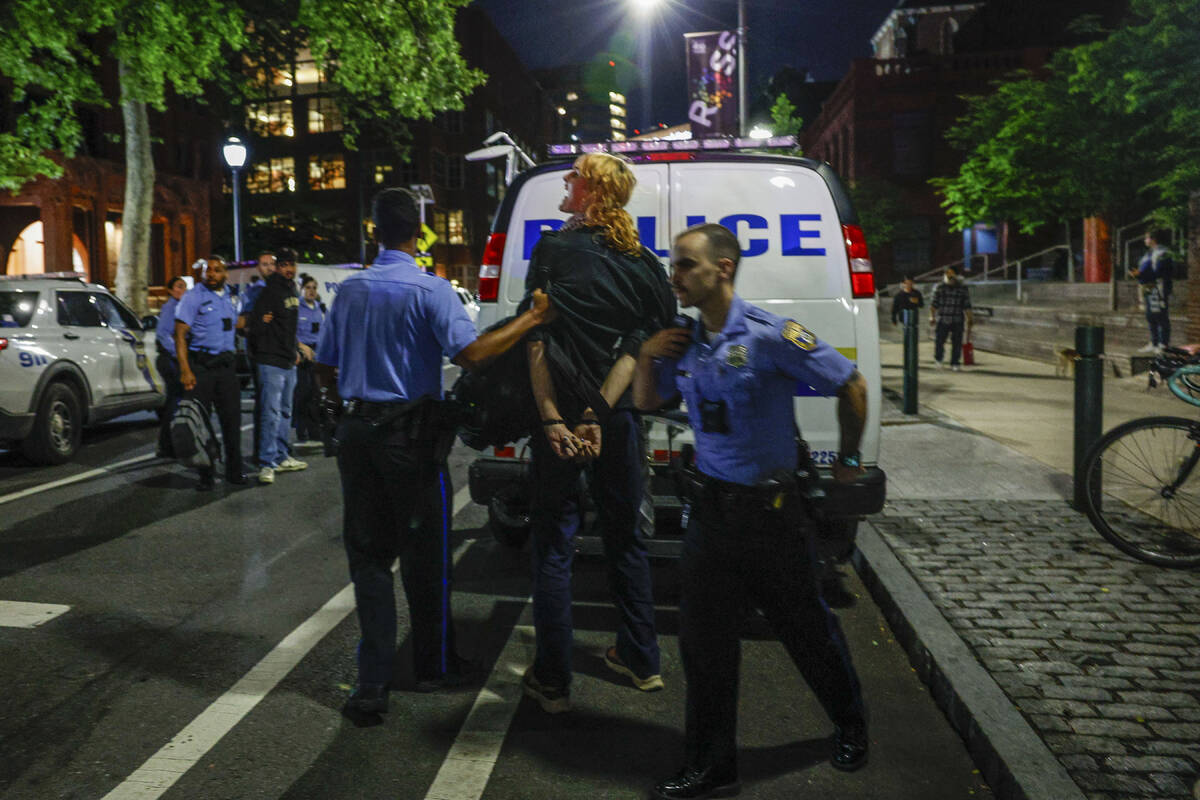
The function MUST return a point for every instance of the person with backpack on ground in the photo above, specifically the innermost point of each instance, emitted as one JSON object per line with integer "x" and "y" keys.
{"x": 611, "y": 294}
{"x": 205, "y": 321}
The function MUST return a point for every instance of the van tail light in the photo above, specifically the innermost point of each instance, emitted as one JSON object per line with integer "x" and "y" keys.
{"x": 489, "y": 270}
{"x": 3, "y": 343}
{"x": 862, "y": 275}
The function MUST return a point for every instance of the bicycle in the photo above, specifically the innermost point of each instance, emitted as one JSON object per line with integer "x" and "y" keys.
{"x": 1141, "y": 484}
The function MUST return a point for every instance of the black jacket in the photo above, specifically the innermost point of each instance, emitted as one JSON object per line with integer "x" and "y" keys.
{"x": 906, "y": 300}
{"x": 608, "y": 302}
{"x": 274, "y": 343}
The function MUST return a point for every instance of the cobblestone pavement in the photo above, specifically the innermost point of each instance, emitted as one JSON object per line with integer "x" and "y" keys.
{"x": 1099, "y": 652}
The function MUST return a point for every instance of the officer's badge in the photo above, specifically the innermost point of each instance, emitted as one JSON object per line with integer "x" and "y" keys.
{"x": 736, "y": 356}
{"x": 799, "y": 335}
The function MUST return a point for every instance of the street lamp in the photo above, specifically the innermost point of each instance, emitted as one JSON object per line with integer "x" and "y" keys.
{"x": 234, "y": 152}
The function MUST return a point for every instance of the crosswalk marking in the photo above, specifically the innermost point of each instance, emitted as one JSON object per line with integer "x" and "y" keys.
{"x": 16, "y": 614}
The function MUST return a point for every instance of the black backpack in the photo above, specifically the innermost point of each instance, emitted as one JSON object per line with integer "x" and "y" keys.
{"x": 495, "y": 403}
{"x": 192, "y": 435}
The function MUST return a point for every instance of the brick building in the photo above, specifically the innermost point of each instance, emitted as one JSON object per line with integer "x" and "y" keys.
{"x": 74, "y": 222}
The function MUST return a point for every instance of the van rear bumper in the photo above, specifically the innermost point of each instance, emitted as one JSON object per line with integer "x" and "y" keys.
{"x": 865, "y": 496}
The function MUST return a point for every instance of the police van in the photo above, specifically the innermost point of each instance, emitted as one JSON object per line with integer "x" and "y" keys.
{"x": 803, "y": 257}
{"x": 71, "y": 355}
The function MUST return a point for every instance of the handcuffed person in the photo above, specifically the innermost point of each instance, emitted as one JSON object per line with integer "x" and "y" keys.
{"x": 749, "y": 535}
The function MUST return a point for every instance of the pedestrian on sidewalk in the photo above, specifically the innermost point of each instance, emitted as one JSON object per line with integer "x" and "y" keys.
{"x": 909, "y": 298}
{"x": 950, "y": 313}
{"x": 266, "y": 265}
{"x": 1155, "y": 274}
{"x": 749, "y": 540}
{"x": 276, "y": 353}
{"x": 381, "y": 352}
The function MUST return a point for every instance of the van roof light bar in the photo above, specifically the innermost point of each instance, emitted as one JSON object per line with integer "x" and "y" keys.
{"x": 665, "y": 145}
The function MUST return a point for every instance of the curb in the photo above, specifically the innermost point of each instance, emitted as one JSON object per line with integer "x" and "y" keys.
{"x": 1012, "y": 757}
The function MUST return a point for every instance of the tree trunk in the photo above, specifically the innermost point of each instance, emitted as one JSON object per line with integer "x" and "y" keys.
{"x": 133, "y": 266}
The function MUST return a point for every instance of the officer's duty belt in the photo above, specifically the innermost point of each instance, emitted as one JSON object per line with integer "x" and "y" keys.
{"x": 356, "y": 407}
{"x": 770, "y": 493}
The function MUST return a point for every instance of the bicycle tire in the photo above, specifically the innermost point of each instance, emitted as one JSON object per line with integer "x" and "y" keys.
{"x": 1130, "y": 469}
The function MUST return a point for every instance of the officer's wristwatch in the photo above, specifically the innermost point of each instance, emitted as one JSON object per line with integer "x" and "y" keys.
{"x": 851, "y": 460}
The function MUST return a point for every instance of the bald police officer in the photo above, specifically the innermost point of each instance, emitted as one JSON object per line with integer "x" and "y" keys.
{"x": 205, "y": 321}
{"x": 382, "y": 346}
{"x": 749, "y": 537}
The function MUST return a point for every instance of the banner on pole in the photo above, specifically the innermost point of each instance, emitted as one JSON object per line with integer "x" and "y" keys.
{"x": 712, "y": 62}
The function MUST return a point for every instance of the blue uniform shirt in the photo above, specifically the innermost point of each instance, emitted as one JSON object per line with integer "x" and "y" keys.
{"x": 388, "y": 328}
{"x": 164, "y": 330}
{"x": 250, "y": 293}
{"x": 308, "y": 325}
{"x": 753, "y": 365}
{"x": 210, "y": 316}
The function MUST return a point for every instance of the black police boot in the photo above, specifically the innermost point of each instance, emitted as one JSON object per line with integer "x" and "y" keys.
{"x": 366, "y": 705}
{"x": 849, "y": 747}
{"x": 697, "y": 783}
{"x": 236, "y": 477}
{"x": 207, "y": 481}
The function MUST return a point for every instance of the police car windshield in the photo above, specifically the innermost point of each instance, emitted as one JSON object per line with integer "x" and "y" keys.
{"x": 16, "y": 308}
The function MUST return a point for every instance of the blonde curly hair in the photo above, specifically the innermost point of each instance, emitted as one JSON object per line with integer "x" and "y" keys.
{"x": 610, "y": 182}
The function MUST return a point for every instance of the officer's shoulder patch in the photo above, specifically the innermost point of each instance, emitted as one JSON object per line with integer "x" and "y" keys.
{"x": 798, "y": 335}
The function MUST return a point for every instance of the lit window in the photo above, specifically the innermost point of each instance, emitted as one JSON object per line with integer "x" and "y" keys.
{"x": 572, "y": 97}
{"x": 454, "y": 226}
{"x": 383, "y": 172}
{"x": 616, "y": 111}
{"x": 273, "y": 118}
{"x": 439, "y": 225}
{"x": 327, "y": 172}
{"x": 618, "y": 136}
{"x": 323, "y": 115}
{"x": 616, "y": 97}
{"x": 617, "y": 124}
{"x": 272, "y": 175}
{"x": 308, "y": 79}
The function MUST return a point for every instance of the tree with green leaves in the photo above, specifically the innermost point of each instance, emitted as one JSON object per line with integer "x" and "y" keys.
{"x": 391, "y": 58}
{"x": 880, "y": 208}
{"x": 1110, "y": 129}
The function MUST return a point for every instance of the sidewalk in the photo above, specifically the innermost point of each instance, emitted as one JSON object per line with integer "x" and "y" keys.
{"x": 1070, "y": 670}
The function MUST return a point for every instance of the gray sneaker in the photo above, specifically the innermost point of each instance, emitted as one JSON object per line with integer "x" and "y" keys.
{"x": 552, "y": 699}
{"x": 290, "y": 464}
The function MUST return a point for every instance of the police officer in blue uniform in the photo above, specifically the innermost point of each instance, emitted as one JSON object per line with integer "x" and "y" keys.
{"x": 168, "y": 364}
{"x": 381, "y": 347}
{"x": 205, "y": 324}
{"x": 749, "y": 537}
{"x": 308, "y": 332}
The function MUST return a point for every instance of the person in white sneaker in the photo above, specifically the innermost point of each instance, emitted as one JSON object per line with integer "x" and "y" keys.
{"x": 276, "y": 353}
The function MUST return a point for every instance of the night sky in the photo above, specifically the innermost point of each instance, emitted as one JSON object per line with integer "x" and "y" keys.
{"x": 821, "y": 36}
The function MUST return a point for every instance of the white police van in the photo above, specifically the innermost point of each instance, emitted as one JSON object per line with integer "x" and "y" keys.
{"x": 71, "y": 355}
{"x": 803, "y": 257}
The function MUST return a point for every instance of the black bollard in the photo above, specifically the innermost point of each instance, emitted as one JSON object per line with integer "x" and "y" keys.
{"x": 911, "y": 337}
{"x": 1089, "y": 399}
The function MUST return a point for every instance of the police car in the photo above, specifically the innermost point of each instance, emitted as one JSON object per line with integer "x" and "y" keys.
{"x": 804, "y": 257}
{"x": 71, "y": 355}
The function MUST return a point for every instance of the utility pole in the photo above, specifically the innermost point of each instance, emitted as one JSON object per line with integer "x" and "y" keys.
{"x": 741, "y": 33}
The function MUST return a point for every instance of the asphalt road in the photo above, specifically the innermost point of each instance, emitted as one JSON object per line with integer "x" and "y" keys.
{"x": 179, "y": 602}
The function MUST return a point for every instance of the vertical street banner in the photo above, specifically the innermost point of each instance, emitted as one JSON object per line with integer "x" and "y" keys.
{"x": 712, "y": 64}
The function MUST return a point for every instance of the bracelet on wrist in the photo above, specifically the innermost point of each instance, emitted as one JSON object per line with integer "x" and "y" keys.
{"x": 548, "y": 422}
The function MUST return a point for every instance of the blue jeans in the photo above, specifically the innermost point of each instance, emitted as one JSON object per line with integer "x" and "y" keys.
{"x": 1160, "y": 326}
{"x": 275, "y": 412}
{"x": 617, "y": 483}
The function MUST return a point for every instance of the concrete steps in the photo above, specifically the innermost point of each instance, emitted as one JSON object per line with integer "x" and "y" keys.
{"x": 1045, "y": 324}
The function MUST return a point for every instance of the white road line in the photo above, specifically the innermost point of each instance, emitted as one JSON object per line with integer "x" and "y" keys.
{"x": 15, "y": 614}
{"x": 168, "y": 765}
{"x": 83, "y": 476}
{"x": 468, "y": 766}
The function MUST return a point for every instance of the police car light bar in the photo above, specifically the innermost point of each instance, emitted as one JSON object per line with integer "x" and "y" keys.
{"x": 665, "y": 145}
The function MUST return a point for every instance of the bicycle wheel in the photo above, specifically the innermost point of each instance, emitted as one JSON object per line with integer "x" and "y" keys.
{"x": 1142, "y": 484}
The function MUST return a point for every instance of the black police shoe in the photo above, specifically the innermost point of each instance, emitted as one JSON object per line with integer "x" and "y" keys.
{"x": 695, "y": 783}
{"x": 236, "y": 477}
{"x": 365, "y": 706}
{"x": 459, "y": 672}
{"x": 849, "y": 748}
{"x": 206, "y": 482}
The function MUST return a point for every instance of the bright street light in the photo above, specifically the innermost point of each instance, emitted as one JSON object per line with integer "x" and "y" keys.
{"x": 761, "y": 132}
{"x": 644, "y": 7}
{"x": 235, "y": 153}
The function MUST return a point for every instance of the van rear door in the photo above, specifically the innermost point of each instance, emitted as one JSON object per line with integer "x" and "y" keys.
{"x": 793, "y": 262}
